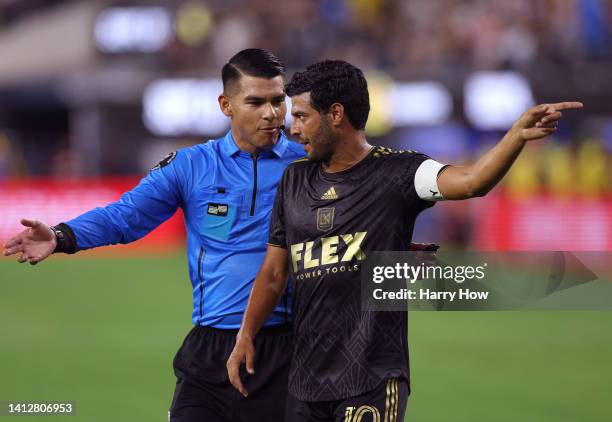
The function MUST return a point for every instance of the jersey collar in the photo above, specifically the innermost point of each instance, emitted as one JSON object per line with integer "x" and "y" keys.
{"x": 230, "y": 148}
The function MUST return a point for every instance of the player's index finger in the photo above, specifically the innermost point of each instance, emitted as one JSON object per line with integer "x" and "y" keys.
{"x": 232, "y": 372}
{"x": 237, "y": 382}
{"x": 568, "y": 105}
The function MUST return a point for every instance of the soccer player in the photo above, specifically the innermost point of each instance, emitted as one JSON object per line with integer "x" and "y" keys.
{"x": 346, "y": 199}
{"x": 226, "y": 189}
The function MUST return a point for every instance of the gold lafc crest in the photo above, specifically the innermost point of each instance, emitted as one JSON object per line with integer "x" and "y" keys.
{"x": 325, "y": 219}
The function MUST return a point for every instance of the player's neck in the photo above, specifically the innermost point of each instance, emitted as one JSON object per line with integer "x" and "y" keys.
{"x": 350, "y": 151}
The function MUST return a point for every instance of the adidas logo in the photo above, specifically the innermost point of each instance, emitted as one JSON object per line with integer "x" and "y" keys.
{"x": 330, "y": 194}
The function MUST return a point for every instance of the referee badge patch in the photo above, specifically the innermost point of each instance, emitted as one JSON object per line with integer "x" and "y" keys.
{"x": 165, "y": 161}
{"x": 219, "y": 210}
{"x": 325, "y": 219}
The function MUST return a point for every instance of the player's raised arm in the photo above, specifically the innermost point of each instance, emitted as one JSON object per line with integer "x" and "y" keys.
{"x": 463, "y": 182}
{"x": 269, "y": 286}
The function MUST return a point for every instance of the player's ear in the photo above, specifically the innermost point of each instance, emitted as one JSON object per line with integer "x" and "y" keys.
{"x": 225, "y": 105}
{"x": 336, "y": 114}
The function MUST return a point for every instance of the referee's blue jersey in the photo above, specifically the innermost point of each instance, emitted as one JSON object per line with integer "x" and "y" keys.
{"x": 227, "y": 197}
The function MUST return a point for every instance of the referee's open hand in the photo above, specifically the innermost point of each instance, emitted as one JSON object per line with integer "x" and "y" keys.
{"x": 244, "y": 352}
{"x": 34, "y": 243}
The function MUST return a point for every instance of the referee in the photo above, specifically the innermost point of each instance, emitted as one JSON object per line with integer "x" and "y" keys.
{"x": 226, "y": 189}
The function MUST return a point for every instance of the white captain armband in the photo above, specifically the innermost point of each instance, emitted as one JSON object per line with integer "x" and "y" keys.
{"x": 426, "y": 180}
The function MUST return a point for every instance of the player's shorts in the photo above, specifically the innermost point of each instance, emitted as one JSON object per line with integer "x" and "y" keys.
{"x": 203, "y": 391}
{"x": 386, "y": 403}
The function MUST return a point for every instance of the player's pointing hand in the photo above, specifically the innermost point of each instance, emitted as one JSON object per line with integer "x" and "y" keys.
{"x": 542, "y": 120}
{"x": 244, "y": 352}
{"x": 35, "y": 243}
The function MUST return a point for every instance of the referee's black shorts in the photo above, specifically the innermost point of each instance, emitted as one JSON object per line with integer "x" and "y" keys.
{"x": 203, "y": 391}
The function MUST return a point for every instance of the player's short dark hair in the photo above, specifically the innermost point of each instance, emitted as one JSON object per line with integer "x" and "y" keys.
{"x": 334, "y": 81}
{"x": 252, "y": 62}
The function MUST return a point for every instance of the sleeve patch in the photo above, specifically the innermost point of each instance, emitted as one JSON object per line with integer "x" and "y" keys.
{"x": 165, "y": 161}
{"x": 426, "y": 180}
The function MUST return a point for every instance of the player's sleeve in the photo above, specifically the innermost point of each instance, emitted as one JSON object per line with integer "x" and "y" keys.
{"x": 424, "y": 172}
{"x": 138, "y": 211}
{"x": 277, "y": 236}
{"x": 426, "y": 180}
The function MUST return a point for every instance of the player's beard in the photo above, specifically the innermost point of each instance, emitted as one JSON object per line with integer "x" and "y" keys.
{"x": 325, "y": 144}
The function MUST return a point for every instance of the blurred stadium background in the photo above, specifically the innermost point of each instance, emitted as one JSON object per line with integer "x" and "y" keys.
{"x": 93, "y": 93}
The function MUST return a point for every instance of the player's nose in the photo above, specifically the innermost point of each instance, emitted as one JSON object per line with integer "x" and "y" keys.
{"x": 294, "y": 130}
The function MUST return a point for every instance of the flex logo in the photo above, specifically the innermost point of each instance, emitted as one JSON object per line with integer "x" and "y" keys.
{"x": 301, "y": 253}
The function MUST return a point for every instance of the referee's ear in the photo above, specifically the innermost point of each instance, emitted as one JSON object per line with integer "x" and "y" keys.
{"x": 225, "y": 105}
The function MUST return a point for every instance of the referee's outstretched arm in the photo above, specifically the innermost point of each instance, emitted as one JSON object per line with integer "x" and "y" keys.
{"x": 136, "y": 213}
{"x": 463, "y": 182}
{"x": 269, "y": 286}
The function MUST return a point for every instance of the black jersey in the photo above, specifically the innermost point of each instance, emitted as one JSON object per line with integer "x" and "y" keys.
{"x": 328, "y": 222}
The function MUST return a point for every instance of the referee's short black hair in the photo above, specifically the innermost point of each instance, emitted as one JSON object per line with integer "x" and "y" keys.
{"x": 251, "y": 62}
{"x": 334, "y": 81}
